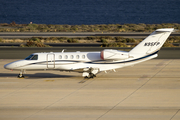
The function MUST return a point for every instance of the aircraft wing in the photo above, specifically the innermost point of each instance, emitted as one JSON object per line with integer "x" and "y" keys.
{"x": 81, "y": 70}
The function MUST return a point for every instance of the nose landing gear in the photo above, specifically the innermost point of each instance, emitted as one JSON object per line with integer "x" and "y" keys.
{"x": 21, "y": 74}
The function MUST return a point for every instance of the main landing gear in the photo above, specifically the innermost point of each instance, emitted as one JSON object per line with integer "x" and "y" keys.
{"x": 21, "y": 74}
{"x": 90, "y": 73}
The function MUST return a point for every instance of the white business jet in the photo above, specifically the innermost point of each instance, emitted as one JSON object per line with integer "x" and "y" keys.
{"x": 91, "y": 63}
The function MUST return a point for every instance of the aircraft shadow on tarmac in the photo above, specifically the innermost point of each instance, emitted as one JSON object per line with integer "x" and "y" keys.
{"x": 36, "y": 75}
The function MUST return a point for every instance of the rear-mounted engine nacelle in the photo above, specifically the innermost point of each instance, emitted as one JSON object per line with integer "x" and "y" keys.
{"x": 109, "y": 54}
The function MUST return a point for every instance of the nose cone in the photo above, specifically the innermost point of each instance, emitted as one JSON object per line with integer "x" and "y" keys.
{"x": 10, "y": 66}
{"x": 7, "y": 66}
{"x": 14, "y": 65}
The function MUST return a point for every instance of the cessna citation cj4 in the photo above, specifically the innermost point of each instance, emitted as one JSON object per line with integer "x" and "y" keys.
{"x": 90, "y": 63}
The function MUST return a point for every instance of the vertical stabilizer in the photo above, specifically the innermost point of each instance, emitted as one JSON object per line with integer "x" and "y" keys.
{"x": 152, "y": 43}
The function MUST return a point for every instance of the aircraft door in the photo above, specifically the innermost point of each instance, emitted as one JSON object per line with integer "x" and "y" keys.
{"x": 50, "y": 61}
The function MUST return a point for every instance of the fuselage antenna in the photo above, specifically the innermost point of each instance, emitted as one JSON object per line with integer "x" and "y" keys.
{"x": 63, "y": 50}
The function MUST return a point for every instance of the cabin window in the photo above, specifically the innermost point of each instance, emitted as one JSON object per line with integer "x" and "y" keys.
{"x": 77, "y": 56}
{"x": 71, "y": 56}
{"x": 66, "y": 57}
{"x": 83, "y": 56}
{"x": 32, "y": 57}
{"x": 60, "y": 57}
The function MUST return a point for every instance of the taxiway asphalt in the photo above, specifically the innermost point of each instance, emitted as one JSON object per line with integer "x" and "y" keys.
{"x": 146, "y": 91}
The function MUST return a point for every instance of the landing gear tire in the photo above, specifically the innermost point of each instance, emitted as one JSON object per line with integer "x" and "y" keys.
{"x": 20, "y": 76}
{"x": 91, "y": 75}
{"x": 86, "y": 77}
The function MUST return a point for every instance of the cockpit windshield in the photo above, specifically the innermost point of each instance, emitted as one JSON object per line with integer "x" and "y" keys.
{"x": 32, "y": 57}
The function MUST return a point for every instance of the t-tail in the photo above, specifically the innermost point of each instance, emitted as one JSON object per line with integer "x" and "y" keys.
{"x": 152, "y": 43}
